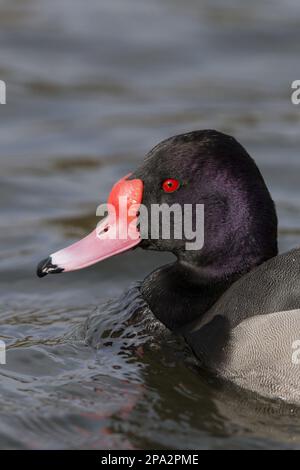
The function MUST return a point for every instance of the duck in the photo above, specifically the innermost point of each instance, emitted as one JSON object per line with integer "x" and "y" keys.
{"x": 234, "y": 300}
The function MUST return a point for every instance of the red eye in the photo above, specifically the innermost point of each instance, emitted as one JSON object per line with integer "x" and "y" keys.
{"x": 170, "y": 185}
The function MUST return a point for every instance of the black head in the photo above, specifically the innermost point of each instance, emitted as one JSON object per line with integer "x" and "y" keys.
{"x": 240, "y": 223}
{"x": 213, "y": 169}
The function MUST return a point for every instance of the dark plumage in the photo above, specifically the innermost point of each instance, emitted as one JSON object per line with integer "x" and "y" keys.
{"x": 240, "y": 221}
{"x": 235, "y": 301}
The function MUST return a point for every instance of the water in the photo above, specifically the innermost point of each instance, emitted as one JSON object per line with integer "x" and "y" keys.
{"x": 91, "y": 87}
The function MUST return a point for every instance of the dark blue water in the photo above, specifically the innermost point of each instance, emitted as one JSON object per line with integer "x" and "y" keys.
{"x": 91, "y": 86}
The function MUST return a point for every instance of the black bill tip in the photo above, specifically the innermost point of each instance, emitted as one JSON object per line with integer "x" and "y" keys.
{"x": 46, "y": 266}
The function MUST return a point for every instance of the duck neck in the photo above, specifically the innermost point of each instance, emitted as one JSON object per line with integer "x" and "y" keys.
{"x": 181, "y": 292}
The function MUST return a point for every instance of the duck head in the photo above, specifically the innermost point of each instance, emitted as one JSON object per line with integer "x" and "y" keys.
{"x": 200, "y": 168}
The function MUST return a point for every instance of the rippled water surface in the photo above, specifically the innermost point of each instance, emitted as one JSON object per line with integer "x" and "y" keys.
{"x": 91, "y": 86}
